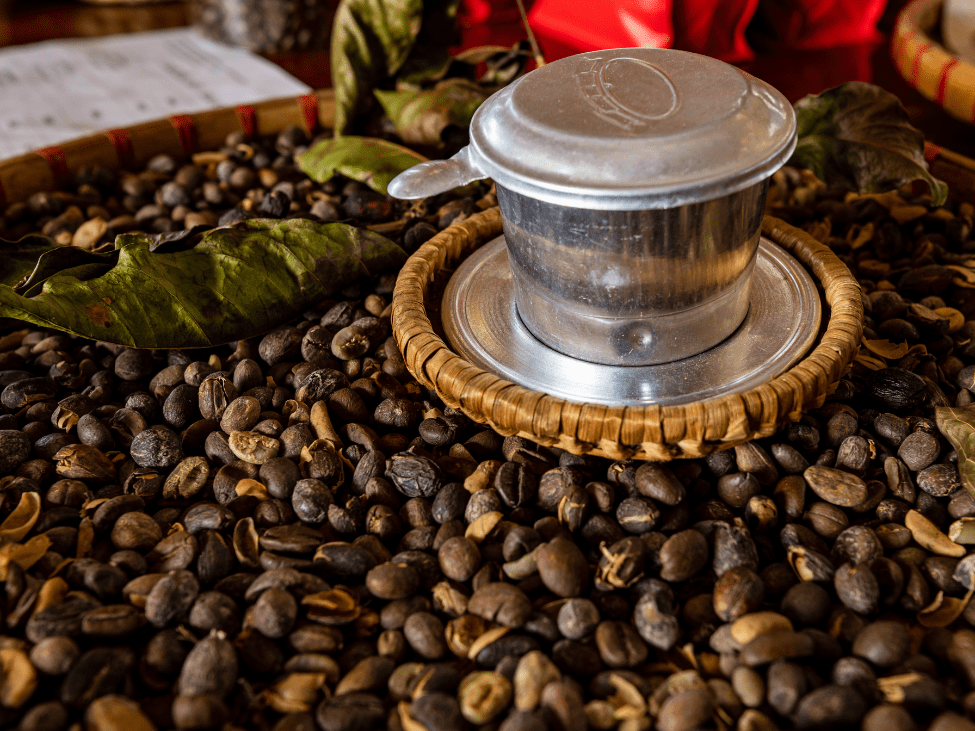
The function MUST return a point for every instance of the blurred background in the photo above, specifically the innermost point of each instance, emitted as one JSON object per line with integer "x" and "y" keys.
{"x": 799, "y": 46}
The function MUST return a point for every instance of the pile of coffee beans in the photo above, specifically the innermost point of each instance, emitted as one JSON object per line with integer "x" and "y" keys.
{"x": 290, "y": 533}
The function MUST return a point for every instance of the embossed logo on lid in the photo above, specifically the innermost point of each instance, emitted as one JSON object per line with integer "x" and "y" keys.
{"x": 626, "y": 91}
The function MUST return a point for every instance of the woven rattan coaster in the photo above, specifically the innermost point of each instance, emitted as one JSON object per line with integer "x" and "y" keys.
{"x": 646, "y": 431}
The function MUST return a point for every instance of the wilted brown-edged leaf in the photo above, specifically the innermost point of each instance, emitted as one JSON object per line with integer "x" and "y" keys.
{"x": 958, "y": 427}
{"x": 859, "y": 135}
{"x": 22, "y": 519}
{"x": 422, "y": 116}
{"x": 367, "y": 159}
{"x": 237, "y": 282}
{"x": 886, "y": 349}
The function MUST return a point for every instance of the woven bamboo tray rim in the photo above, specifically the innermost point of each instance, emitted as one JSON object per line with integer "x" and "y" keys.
{"x": 180, "y": 135}
{"x": 648, "y": 432}
{"x": 934, "y": 71}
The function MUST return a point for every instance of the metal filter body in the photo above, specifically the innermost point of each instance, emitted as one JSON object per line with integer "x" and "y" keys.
{"x": 483, "y": 326}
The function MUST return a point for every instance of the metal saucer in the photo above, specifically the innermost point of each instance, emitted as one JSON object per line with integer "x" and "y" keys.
{"x": 482, "y": 324}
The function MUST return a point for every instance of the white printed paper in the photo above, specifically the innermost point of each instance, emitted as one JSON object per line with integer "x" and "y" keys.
{"x": 55, "y": 91}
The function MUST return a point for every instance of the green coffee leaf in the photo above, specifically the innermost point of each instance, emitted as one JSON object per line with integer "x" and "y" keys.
{"x": 369, "y": 160}
{"x": 236, "y": 282}
{"x": 371, "y": 39}
{"x": 858, "y": 135}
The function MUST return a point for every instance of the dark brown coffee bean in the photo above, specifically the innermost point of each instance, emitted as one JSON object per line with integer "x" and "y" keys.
{"x": 738, "y": 591}
{"x": 733, "y": 548}
{"x": 415, "y": 476}
{"x": 216, "y": 393}
{"x": 654, "y": 617}
{"x": 392, "y": 581}
{"x": 830, "y": 706}
{"x": 578, "y": 618}
{"x": 157, "y": 446}
{"x": 658, "y": 482}
{"x": 857, "y": 588}
{"x": 619, "y": 644}
{"x": 214, "y": 610}
{"x": 786, "y": 684}
{"x": 97, "y": 672}
{"x": 562, "y": 567}
{"x": 686, "y": 710}
{"x": 637, "y": 515}
{"x": 737, "y": 488}
{"x": 171, "y": 598}
{"x": 210, "y": 668}
{"x": 55, "y": 654}
{"x": 683, "y": 555}
{"x": 180, "y": 407}
{"x": 459, "y": 558}
{"x": 499, "y": 602}
{"x": 425, "y": 634}
{"x": 136, "y": 531}
{"x": 350, "y": 712}
{"x": 14, "y": 450}
{"x": 274, "y": 613}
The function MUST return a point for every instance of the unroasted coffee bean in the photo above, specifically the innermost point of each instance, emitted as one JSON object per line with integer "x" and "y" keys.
{"x": 835, "y": 486}
{"x": 919, "y": 450}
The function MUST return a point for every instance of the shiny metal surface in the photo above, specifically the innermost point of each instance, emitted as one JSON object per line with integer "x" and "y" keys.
{"x": 481, "y": 322}
{"x": 622, "y": 129}
{"x": 633, "y": 287}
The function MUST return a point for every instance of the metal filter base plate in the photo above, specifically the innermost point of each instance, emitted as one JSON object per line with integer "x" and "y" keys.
{"x": 482, "y": 324}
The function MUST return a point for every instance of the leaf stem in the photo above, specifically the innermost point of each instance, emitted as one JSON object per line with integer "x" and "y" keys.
{"x": 536, "y": 51}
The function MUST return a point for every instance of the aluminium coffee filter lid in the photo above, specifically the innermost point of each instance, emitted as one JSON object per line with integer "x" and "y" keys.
{"x": 632, "y": 128}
